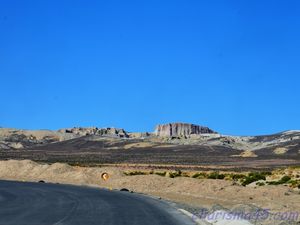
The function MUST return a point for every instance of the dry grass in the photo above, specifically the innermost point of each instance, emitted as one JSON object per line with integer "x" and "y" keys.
{"x": 139, "y": 145}
{"x": 246, "y": 154}
{"x": 280, "y": 151}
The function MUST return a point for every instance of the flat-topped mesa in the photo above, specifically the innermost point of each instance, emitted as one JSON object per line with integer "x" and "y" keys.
{"x": 181, "y": 130}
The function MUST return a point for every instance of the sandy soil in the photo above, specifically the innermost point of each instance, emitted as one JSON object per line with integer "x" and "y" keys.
{"x": 193, "y": 192}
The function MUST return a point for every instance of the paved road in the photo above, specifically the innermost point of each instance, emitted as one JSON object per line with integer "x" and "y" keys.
{"x": 44, "y": 204}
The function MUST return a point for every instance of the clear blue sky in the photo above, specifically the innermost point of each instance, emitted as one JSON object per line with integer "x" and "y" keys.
{"x": 231, "y": 65}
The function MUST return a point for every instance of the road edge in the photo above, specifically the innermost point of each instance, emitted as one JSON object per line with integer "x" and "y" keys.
{"x": 194, "y": 218}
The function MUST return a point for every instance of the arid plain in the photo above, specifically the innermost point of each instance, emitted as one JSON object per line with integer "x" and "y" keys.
{"x": 191, "y": 165}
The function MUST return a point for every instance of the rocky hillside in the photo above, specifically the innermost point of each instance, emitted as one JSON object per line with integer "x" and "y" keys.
{"x": 177, "y": 143}
{"x": 81, "y": 131}
{"x": 22, "y": 139}
{"x": 181, "y": 130}
{"x": 172, "y": 134}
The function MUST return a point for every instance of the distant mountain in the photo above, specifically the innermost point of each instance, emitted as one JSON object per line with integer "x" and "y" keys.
{"x": 173, "y": 133}
{"x": 179, "y": 143}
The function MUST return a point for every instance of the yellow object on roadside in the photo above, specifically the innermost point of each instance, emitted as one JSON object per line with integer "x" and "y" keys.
{"x": 105, "y": 176}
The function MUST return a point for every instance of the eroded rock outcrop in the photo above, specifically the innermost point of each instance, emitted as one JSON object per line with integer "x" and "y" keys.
{"x": 181, "y": 130}
{"x": 11, "y": 138}
{"x": 83, "y": 131}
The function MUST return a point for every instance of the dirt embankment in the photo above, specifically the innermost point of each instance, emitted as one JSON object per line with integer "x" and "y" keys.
{"x": 190, "y": 191}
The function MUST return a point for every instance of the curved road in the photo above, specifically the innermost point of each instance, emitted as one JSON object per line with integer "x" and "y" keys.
{"x": 52, "y": 204}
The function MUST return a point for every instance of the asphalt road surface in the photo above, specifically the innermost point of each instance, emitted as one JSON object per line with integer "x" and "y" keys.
{"x": 44, "y": 204}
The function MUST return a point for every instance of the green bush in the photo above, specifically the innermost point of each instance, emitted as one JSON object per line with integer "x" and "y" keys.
{"x": 175, "y": 174}
{"x": 199, "y": 175}
{"x": 266, "y": 173}
{"x": 252, "y": 177}
{"x": 294, "y": 183}
{"x": 133, "y": 173}
{"x": 257, "y": 175}
{"x": 273, "y": 182}
{"x": 237, "y": 177}
{"x": 283, "y": 180}
{"x": 161, "y": 173}
{"x": 216, "y": 175}
{"x": 260, "y": 183}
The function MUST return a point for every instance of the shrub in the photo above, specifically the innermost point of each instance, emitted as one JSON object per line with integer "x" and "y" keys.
{"x": 161, "y": 173}
{"x": 199, "y": 175}
{"x": 185, "y": 175}
{"x": 260, "y": 183}
{"x": 133, "y": 173}
{"x": 266, "y": 173}
{"x": 283, "y": 180}
{"x": 237, "y": 176}
{"x": 216, "y": 175}
{"x": 252, "y": 177}
{"x": 175, "y": 174}
{"x": 273, "y": 182}
{"x": 294, "y": 183}
{"x": 257, "y": 175}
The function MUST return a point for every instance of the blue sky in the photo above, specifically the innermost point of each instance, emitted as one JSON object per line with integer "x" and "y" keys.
{"x": 230, "y": 65}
